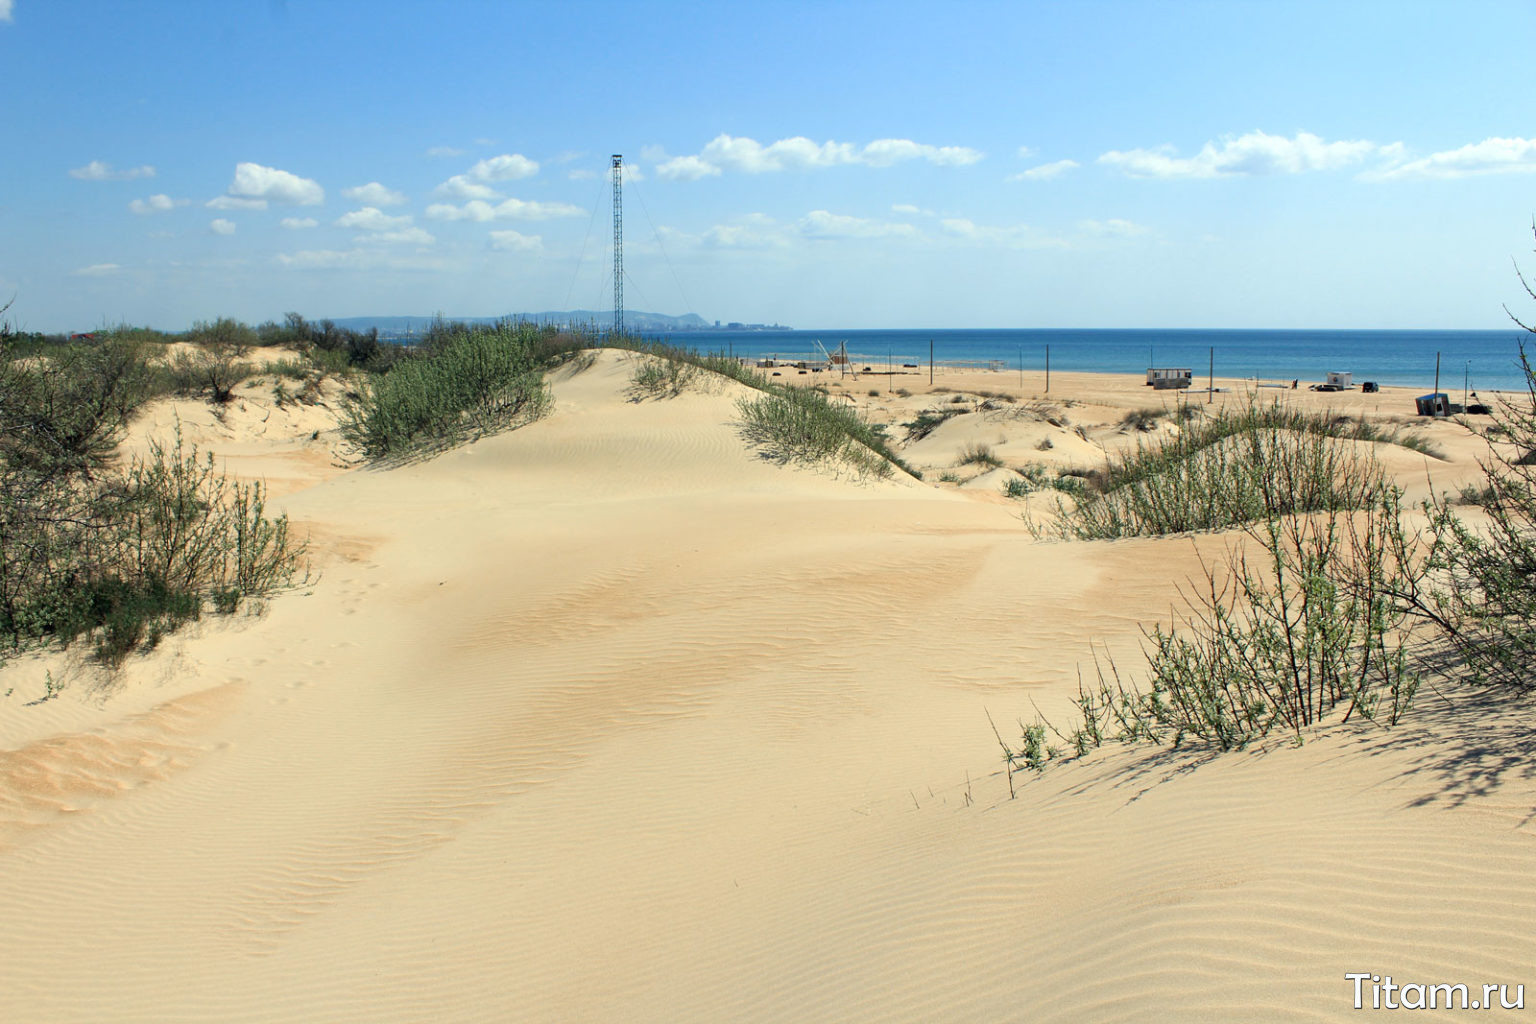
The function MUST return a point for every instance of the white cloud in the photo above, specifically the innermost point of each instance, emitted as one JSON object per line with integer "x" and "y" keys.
{"x": 507, "y": 167}
{"x": 98, "y": 171}
{"x": 254, "y": 181}
{"x": 515, "y": 241}
{"x": 823, "y": 224}
{"x": 96, "y": 270}
{"x": 581, "y": 174}
{"x": 371, "y": 218}
{"x": 686, "y": 168}
{"x": 408, "y": 236}
{"x": 460, "y": 186}
{"x": 321, "y": 259}
{"x": 5, "y": 10}
{"x": 299, "y": 223}
{"x": 158, "y": 203}
{"x": 1114, "y": 227}
{"x": 760, "y": 233}
{"x": 374, "y": 194}
{"x": 748, "y": 155}
{"x": 220, "y": 226}
{"x": 1016, "y": 236}
{"x": 1491, "y": 156}
{"x": 1045, "y": 172}
{"x": 1255, "y": 153}
{"x": 359, "y": 259}
{"x": 1024, "y": 152}
{"x": 444, "y": 151}
{"x": 749, "y": 231}
{"x": 235, "y": 203}
{"x": 884, "y": 152}
{"x": 475, "y": 183}
{"x": 799, "y": 153}
{"x": 509, "y": 209}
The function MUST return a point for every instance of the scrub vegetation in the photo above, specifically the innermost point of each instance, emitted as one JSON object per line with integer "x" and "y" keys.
{"x": 1332, "y": 604}
{"x": 98, "y": 551}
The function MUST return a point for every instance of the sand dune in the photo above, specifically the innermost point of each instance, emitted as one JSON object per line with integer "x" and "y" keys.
{"x": 610, "y": 719}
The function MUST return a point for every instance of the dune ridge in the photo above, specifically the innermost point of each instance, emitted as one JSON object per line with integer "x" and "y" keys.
{"x": 609, "y": 718}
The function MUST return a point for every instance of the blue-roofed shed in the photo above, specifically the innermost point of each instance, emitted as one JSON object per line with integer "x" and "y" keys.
{"x": 1437, "y": 403}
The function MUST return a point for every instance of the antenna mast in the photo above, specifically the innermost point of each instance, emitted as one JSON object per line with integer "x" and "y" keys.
{"x": 618, "y": 243}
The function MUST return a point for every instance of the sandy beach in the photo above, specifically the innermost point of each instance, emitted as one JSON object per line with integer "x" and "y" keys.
{"x": 608, "y": 718}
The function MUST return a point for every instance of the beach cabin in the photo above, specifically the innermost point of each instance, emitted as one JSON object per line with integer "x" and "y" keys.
{"x": 1164, "y": 377}
{"x": 1436, "y": 404}
{"x": 1341, "y": 381}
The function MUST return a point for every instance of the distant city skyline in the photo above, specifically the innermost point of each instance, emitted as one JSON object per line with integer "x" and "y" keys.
{"x": 826, "y": 166}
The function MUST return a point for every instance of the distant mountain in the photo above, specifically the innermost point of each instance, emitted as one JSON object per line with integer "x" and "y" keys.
{"x": 634, "y": 320}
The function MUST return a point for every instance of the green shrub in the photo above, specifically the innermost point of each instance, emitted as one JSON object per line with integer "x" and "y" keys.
{"x": 64, "y": 413}
{"x": 1142, "y": 420}
{"x": 978, "y": 455}
{"x": 1226, "y": 470}
{"x": 126, "y": 556}
{"x": 210, "y": 373}
{"x": 788, "y": 423}
{"x": 293, "y": 369}
{"x": 224, "y": 336}
{"x": 661, "y": 378}
{"x": 1305, "y": 627}
{"x": 927, "y": 421}
{"x": 1035, "y": 478}
{"x": 465, "y": 384}
{"x": 802, "y": 425}
{"x": 1484, "y": 596}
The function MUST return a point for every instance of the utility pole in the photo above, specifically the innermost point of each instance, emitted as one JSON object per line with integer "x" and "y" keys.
{"x": 618, "y": 244}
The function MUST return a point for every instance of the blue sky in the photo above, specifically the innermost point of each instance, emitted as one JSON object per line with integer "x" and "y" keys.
{"x": 1234, "y": 164}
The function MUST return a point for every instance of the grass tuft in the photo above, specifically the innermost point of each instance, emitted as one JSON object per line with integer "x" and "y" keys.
{"x": 467, "y": 384}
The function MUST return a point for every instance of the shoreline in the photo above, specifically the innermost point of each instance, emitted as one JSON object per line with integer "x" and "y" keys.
{"x": 1116, "y": 388}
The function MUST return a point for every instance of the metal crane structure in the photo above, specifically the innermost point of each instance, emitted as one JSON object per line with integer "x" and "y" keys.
{"x": 618, "y": 243}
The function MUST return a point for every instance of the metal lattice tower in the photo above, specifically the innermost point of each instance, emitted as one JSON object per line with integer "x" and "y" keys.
{"x": 618, "y": 243}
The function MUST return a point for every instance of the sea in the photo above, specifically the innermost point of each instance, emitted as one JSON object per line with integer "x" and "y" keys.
{"x": 1486, "y": 361}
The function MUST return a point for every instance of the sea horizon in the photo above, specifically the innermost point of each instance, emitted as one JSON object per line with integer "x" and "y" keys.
{"x": 1486, "y": 360}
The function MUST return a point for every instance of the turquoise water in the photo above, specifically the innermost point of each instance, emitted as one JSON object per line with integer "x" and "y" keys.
{"x": 1400, "y": 358}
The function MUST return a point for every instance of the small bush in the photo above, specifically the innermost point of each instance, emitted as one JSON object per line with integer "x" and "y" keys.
{"x": 1048, "y": 412}
{"x": 466, "y": 384}
{"x": 209, "y": 373}
{"x": 661, "y": 378}
{"x": 1308, "y": 628}
{"x": 63, "y": 414}
{"x": 1142, "y": 420}
{"x": 1484, "y": 596}
{"x": 1036, "y": 478}
{"x": 927, "y": 421}
{"x": 978, "y": 455}
{"x": 293, "y": 369}
{"x": 1226, "y": 470}
{"x": 128, "y": 555}
{"x": 802, "y": 425}
{"x": 225, "y": 337}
